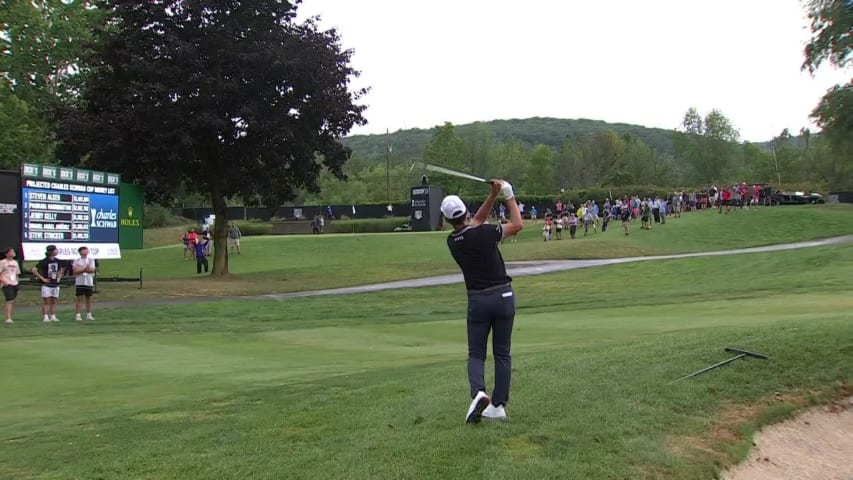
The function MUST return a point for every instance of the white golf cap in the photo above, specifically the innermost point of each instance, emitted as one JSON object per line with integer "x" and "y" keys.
{"x": 453, "y": 207}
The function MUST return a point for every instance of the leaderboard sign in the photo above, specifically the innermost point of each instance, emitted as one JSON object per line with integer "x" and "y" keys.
{"x": 69, "y": 208}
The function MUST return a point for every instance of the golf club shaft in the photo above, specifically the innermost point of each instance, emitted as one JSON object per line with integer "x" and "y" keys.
{"x": 447, "y": 171}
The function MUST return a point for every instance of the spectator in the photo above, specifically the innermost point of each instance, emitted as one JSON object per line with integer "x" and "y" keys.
{"x": 625, "y": 215}
{"x": 534, "y": 213}
{"x": 49, "y": 273}
{"x": 9, "y": 272}
{"x": 655, "y": 209}
{"x": 234, "y": 236}
{"x": 207, "y": 237}
{"x": 646, "y": 216}
{"x": 560, "y": 222}
{"x": 192, "y": 240}
{"x": 573, "y": 225}
{"x": 185, "y": 239}
{"x": 605, "y": 220}
{"x": 547, "y": 228}
{"x": 559, "y": 207}
{"x": 83, "y": 270}
{"x": 201, "y": 249}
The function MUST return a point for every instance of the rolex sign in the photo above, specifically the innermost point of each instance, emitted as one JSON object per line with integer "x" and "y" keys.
{"x": 130, "y": 216}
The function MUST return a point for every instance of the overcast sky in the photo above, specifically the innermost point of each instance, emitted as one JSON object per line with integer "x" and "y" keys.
{"x": 632, "y": 61}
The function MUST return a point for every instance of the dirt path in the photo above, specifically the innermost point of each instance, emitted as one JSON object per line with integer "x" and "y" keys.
{"x": 817, "y": 444}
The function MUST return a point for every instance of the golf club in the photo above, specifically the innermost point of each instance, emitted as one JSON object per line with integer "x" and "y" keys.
{"x": 447, "y": 171}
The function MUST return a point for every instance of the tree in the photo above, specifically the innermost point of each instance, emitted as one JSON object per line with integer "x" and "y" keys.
{"x": 832, "y": 41}
{"x": 478, "y": 150}
{"x": 231, "y": 98}
{"x": 707, "y": 145}
{"x": 513, "y": 160}
{"x": 23, "y": 136}
{"x": 831, "y": 23}
{"x": 540, "y": 178}
{"x": 41, "y": 46}
{"x": 445, "y": 149}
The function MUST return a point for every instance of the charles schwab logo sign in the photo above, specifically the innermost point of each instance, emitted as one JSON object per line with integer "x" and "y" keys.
{"x": 104, "y": 219}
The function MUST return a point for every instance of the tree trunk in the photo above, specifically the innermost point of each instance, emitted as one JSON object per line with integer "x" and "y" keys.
{"x": 220, "y": 233}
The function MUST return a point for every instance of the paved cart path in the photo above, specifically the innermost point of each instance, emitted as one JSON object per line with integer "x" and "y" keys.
{"x": 515, "y": 269}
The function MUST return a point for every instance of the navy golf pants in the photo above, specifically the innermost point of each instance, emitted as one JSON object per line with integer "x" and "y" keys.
{"x": 490, "y": 310}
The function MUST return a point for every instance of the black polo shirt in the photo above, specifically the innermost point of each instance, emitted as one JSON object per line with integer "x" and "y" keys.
{"x": 475, "y": 250}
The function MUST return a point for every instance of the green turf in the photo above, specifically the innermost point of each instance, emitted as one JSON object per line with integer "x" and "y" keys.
{"x": 373, "y": 386}
{"x": 275, "y": 264}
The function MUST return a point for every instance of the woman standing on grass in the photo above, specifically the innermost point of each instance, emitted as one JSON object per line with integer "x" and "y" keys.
{"x": 9, "y": 271}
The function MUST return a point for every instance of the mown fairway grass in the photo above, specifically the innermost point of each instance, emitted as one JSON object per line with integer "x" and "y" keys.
{"x": 374, "y": 386}
{"x": 276, "y": 264}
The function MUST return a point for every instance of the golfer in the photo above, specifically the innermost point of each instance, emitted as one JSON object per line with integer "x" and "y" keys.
{"x": 491, "y": 305}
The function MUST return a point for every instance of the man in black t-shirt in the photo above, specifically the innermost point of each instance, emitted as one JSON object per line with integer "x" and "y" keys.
{"x": 491, "y": 304}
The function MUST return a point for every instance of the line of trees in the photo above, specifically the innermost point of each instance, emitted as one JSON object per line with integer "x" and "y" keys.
{"x": 707, "y": 150}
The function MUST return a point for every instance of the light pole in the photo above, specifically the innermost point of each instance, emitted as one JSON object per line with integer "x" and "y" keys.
{"x": 387, "y": 166}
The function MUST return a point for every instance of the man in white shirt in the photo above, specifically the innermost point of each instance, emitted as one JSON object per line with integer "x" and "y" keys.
{"x": 84, "y": 280}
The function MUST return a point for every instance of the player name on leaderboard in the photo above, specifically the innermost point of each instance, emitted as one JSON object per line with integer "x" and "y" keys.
{"x": 56, "y": 217}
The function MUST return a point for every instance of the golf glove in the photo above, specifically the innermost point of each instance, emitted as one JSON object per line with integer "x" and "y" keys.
{"x": 506, "y": 190}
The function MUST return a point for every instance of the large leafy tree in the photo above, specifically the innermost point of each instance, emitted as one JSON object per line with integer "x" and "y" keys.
{"x": 42, "y": 43}
{"x": 708, "y": 145}
{"x": 227, "y": 98}
{"x": 831, "y": 24}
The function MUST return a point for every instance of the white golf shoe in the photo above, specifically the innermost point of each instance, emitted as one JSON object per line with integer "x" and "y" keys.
{"x": 46, "y": 319}
{"x": 478, "y": 404}
{"x": 78, "y": 318}
{"x": 495, "y": 413}
{"x": 89, "y": 317}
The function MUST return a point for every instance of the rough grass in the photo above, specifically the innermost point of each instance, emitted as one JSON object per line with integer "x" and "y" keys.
{"x": 373, "y": 386}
